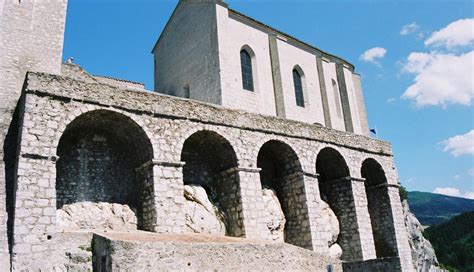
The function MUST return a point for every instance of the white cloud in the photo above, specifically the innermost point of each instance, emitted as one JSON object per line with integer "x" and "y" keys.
{"x": 456, "y": 177}
{"x": 440, "y": 79}
{"x": 458, "y": 33}
{"x": 470, "y": 172}
{"x": 373, "y": 54}
{"x": 391, "y": 100}
{"x": 451, "y": 191}
{"x": 460, "y": 144}
{"x": 409, "y": 28}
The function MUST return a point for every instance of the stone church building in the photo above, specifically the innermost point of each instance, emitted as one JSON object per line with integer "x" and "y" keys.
{"x": 238, "y": 108}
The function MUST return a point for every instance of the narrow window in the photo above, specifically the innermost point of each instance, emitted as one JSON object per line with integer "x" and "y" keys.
{"x": 298, "y": 88}
{"x": 337, "y": 97}
{"x": 247, "y": 76}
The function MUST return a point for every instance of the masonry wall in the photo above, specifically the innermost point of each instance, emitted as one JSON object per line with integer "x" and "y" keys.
{"x": 167, "y": 130}
{"x": 31, "y": 38}
{"x": 186, "y": 59}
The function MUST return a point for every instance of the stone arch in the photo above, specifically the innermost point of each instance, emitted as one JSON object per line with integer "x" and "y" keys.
{"x": 281, "y": 171}
{"x": 380, "y": 210}
{"x": 104, "y": 157}
{"x": 211, "y": 162}
{"x": 336, "y": 190}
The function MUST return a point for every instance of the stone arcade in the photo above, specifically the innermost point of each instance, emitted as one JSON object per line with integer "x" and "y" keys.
{"x": 75, "y": 138}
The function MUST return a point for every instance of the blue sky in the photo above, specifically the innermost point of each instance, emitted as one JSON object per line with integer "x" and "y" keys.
{"x": 417, "y": 48}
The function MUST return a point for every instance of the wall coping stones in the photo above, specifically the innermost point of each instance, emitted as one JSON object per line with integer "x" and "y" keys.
{"x": 164, "y": 106}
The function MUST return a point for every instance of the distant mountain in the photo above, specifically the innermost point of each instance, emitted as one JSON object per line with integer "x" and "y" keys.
{"x": 432, "y": 209}
{"x": 453, "y": 242}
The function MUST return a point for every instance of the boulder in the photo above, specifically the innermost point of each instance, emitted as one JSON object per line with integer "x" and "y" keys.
{"x": 96, "y": 216}
{"x": 423, "y": 254}
{"x": 329, "y": 223}
{"x": 275, "y": 217}
{"x": 202, "y": 216}
{"x": 335, "y": 251}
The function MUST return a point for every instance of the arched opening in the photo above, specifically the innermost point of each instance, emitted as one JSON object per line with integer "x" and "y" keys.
{"x": 281, "y": 171}
{"x": 298, "y": 83}
{"x": 380, "y": 211}
{"x": 211, "y": 163}
{"x": 247, "y": 64}
{"x": 336, "y": 190}
{"x": 102, "y": 156}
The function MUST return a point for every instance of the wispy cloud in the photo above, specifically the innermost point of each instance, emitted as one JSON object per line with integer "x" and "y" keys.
{"x": 372, "y": 55}
{"x": 409, "y": 28}
{"x": 451, "y": 191}
{"x": 460, "y": 144}
{"x": 458, "y": 33}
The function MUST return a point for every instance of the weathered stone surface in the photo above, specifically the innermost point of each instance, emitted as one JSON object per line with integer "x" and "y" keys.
{"x": 335, "y": 251}
{"x": 198, "y": 252}
{"x": 424, "y": 257}
{"x": 96, "y": 216}
{"x": 201, "y": 215}
{"x": 276, "y": 218}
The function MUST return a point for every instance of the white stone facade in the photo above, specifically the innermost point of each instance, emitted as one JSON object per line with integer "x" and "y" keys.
{"x": 207, "y": 36}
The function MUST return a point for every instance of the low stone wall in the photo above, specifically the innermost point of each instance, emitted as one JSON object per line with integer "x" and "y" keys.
{"x": 391, "y": 264}
{"x": 146, "y": 251}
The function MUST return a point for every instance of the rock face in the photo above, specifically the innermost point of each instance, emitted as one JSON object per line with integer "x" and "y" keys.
{"x": 330, "y": 223}
{"x": 201, "y": 215}
{"x": 424, "y": 257}
{"x": 276, "y": 218}
{"x": 96, "y": 216}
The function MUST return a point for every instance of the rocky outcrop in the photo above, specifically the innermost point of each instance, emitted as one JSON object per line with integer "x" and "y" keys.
{"x": 276, "y": 218}
{"x": 424, "y": 257}
{"x": 96, "y": 216}
{"x": 202, "y": 216}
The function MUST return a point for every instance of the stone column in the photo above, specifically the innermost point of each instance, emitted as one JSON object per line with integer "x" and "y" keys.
{"x": 346, "y": 108}
{"x": 169, "y": 196}
{"x": 252, "y": 206}
{"x": 401, "y": 234}
{"x": 348, "y": 200}
{"x": 34, "y": 236}
{"x": 324, "y": 95}
{"x": 318, "y": 240}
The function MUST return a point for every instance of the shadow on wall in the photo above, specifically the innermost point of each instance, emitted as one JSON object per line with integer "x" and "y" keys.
{"x": 211, "y": 162}
{"x": 102, "y": 158}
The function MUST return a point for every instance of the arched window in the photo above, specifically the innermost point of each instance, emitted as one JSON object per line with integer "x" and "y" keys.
{"x": 246, "y": 65}
{"x": 298, "y": 88}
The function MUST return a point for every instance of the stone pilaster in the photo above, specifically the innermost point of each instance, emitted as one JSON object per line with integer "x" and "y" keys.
{"x": 252, "y": 206}
{"x": 34, "y": 233}
{"x": 169, "y": 196}
{"x": 401, "y": 234}
{"x": 324, "y": 95}
{"x": 348, "y": 200}
{"x": 276, "y": 73}
{"x": 367, "y": 247}
{"x": 318, "y": 241}
{"x": 346, "y": 108}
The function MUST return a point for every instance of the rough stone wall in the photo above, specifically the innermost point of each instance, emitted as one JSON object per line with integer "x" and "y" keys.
{"x": 121, "y": 252}
{"x": 383, "y": 264}
{"x": 167, "y": 123}
{"x": 31, "y": 39}
{"x": 186, "y": 58}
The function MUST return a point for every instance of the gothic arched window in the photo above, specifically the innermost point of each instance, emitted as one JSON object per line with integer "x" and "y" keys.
{"x": 298, "y": 88}
{"x": 247, "y": 75}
